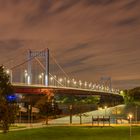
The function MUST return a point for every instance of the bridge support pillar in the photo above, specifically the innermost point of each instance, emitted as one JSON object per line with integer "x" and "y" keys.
{"x": 29, "y": 70}
{"x": 44, "y": 54}
{"x": 47, "y": 67}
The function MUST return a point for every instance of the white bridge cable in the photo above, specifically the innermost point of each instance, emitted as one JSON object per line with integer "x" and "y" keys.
{"x": 12, "y": 59}
{"x": 52, "y": 56}
{"x": 59, "y": 65}
{"x": 43, "y": 67}
{"x": 35, "y": 57}
{"x": 18, "y": 65}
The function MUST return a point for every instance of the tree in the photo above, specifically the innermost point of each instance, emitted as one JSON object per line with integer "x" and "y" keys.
{"x": 132, "y": 96}
{"x": 135, "y": 95}
{"x": 48, "y": 107}
{"x": 69, "y": 99}
{"x": 126, "y": 96}
{"x": 7, "y": 108}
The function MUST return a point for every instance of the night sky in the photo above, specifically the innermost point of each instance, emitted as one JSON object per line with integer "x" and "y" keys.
{"x": 89, "y": 38}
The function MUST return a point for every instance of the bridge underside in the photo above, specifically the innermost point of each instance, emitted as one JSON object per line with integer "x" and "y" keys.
{"x": 105, "y": 98}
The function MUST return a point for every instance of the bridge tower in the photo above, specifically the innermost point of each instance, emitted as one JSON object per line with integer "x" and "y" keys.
{"x": 33, "y": 54}
{"x": 106, "y": 81}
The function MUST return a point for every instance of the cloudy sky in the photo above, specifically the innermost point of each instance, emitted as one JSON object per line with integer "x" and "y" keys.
{"x": 89, "y": 38}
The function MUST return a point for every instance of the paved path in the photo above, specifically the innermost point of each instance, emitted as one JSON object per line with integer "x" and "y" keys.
{"x": 88, "y": 118}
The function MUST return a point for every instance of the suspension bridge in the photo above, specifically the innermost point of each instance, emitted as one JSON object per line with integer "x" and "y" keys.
{"x": 40, "y": 73}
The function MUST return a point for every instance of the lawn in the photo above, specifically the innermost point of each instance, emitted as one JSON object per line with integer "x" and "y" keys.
{"x": 73, "y": 133}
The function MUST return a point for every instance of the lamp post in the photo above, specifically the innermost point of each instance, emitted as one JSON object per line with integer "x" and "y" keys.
{"x": 51, "y": 81}
{"x": 65, "y": 81}
{"x": 53, "y": 108}
{"x": 70, "y": 107}
{"x": 25, "y": 76}
{"x": 90, "y": 84}
{"x": 75, "y": 84}
{"x": 40, "y": 79}
{"x": 60, "y": 81}
{"x": 94, "y": 86}
{"x": 29, "y": 113}
{"x": 136, "y": 114}
{"x": 85, "y": 84}
{"x": 19, "y": 114}
{"x": 68, "y": 82}
{"x": 42, "y": 74}
{"x": 9, "y": 72}
{"x": 116, "y": 111}
{"x": 105, "y": 109}
{"x": 80, "y": 83}
{"x": 130, "y": 126}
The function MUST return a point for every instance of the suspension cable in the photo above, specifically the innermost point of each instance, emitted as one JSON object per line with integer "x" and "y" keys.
{"x": 49, "y": 73}
{"x": 26, "y": 61}
{"x": 59, "y": 65}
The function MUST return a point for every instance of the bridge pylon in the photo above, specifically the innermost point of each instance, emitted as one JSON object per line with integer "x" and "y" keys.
{"x": 33, "y": 54}
{"x": 106, "y": 82}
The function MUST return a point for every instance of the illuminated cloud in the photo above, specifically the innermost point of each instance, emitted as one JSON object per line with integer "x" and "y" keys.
{"x": 90, "y": 38}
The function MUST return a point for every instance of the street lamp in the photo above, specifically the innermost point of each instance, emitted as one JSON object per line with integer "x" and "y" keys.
{"x": 94, "y": 86}
{"x": 97, "y": 87}
{"x": 60, "y": 79}
{"x": 102, "y": 88}
{"x": 51, "y": 80}
{"x": 68, "y": 81}
{"x": 90, "y": 85}
{"x": 29, "y": 113}
{"x": 105, "y": 107}
{"x": 130, "y": 116}
{"x": 136, "y": 114}
{"x": 70, "y": 107}
{"x": 9, "y": 72}
{"x": 85, "y": 84}
{"x": 65, "y": 81}
{"x": 75, "y": 83}
{"x": 25, "y": 76}
{"x": 41, "y": 78}
{"x": 80, "y": 83}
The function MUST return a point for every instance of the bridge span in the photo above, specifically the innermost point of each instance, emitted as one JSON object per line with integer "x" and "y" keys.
{"x": 105, "y": 97}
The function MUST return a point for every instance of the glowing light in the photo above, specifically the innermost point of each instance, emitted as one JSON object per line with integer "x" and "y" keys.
{"x": 8, "y": 71}
{"x": 99, "y": 108}
{"x": 40, "y": 76}
{"x": 51, "y": 78}
{"x": 80, "y": 83}
{"x": 11, "y": 98}
{"x": 85, "y": 84}
{"x": 46, "y": 80}
{"x": 60, "y": 80}
{"x": 28, "y": 80}
{"x": 105, "y": 107}
{"x": 25, "y": 71}
{"x": 130, "y": 116}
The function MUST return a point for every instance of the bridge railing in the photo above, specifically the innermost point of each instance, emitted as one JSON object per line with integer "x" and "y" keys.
{"x": 64, "y": 87}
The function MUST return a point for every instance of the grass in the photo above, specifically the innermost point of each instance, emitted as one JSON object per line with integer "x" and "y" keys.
{"x": 73, "y": 133}
{"x": 16, "y": 127}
